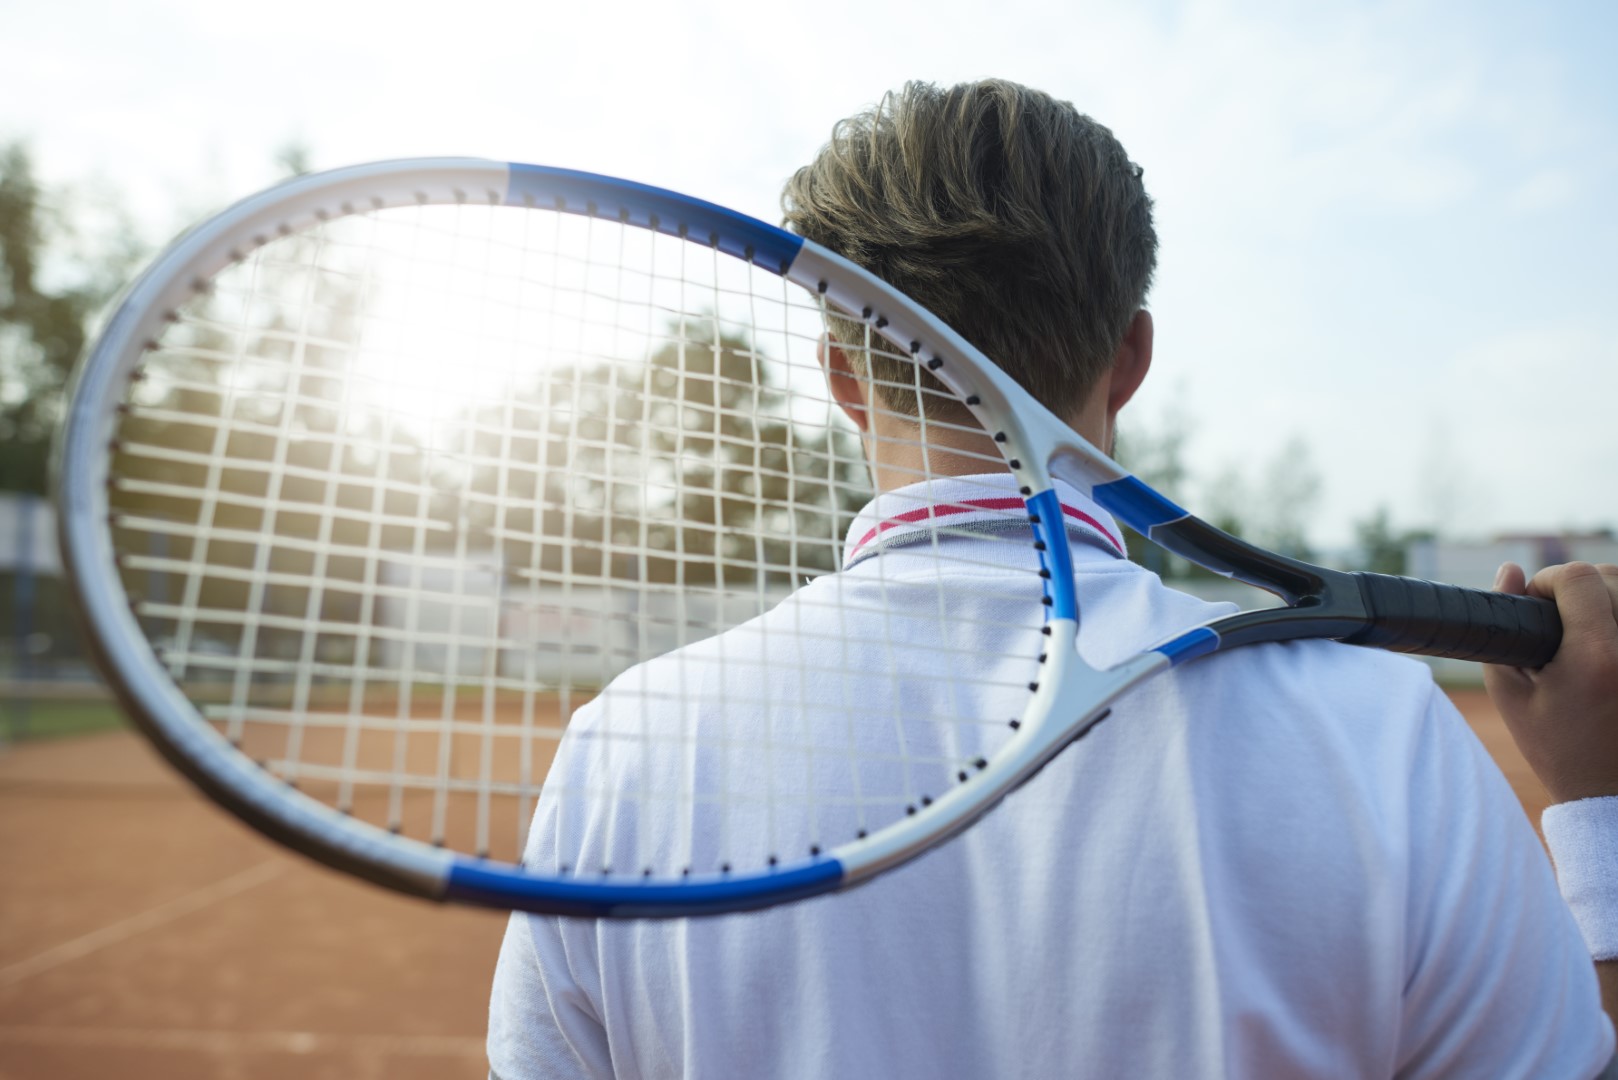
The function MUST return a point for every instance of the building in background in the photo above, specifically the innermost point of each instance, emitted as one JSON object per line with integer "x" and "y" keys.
{"x": 41, "y": 651}
{"x": 38, "y": 638}
{"x": 1474, "y": 563}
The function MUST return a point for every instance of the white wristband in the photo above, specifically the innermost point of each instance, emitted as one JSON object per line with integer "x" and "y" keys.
{"x": 1583, "y": 838}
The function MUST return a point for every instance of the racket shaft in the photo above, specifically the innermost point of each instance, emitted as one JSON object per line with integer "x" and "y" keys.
{"x": 1434, "y": 619}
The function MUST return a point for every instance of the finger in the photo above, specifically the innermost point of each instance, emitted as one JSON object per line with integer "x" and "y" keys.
{"x": 1506, "y": 683}
{"x": 1583, "y": 600}
{"x": 1609, "y": 574}
{"x": 1510, "y": 579}
{"x": 1541, "y": 583}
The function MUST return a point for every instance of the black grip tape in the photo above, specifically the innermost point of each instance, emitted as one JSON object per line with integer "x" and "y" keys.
{"x": 1434, "y": 619}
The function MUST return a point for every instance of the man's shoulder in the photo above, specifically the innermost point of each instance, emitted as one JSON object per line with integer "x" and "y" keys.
{"x": 1336, "y": 705}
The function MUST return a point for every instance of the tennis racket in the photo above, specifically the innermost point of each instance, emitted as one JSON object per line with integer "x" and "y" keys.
{"x": 407, "y": 499}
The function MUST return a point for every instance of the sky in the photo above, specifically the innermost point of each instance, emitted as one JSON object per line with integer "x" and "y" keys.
{"x": 1388, "y": 230}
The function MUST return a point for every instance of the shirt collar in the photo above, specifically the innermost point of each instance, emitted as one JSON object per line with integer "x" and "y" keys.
{"x": 986, "y": 503}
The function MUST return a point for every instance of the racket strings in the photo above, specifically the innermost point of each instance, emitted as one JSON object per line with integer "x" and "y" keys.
{"x": 275, "y": 393}
{"x": 396, "y": 498}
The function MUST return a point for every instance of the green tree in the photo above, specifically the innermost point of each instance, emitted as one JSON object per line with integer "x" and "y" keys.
{"x": 1287, "y": 504}
{"x": 662, "y": 469}
{"x": 48, "y": 294}
{"x": 1228, "y": 502}
{"x": 294, "y": 158}
{"x": 1274, "y": 514}
{"x": 239, "y": 464}
{"x": 1382, "y": 548}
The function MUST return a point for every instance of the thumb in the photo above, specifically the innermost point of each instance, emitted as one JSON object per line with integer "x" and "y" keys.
{"x": 1510, "y": 579}
{"x": 1501, "y": 680}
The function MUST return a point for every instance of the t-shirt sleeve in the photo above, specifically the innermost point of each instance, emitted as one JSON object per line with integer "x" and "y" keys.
{"x": 1498, "y": 981}
{"x": 543, "y": 1016}
{"x": 542, "y": 1022}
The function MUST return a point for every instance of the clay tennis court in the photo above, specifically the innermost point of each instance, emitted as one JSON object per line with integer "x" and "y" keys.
{"x": 143, "y": 933}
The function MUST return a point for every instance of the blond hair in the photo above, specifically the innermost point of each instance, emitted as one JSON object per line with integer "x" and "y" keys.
{"x": 1015, "y": 218}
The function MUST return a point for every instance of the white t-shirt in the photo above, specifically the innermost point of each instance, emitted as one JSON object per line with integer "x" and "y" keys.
{"x": 1291, "y": 860}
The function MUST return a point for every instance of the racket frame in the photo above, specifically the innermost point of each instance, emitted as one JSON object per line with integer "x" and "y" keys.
{"x": 1069, "y": 698}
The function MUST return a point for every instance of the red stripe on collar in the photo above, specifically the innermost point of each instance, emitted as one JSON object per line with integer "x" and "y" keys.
{"x": 967, "y": 506}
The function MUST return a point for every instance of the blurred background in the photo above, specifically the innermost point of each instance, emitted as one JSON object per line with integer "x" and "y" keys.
{"x": 1386, "y": 338}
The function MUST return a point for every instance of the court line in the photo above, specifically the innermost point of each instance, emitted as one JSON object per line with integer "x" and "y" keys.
{"x": 139, "y": 923}
{"x": 234, "y": 1042}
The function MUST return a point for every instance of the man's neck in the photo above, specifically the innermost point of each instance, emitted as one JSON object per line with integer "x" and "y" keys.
{"x": 898, "y": 455}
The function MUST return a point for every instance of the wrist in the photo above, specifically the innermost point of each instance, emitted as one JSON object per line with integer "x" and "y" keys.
{"x": 1583, "y": 839}
{"x": 1578, "y": 791}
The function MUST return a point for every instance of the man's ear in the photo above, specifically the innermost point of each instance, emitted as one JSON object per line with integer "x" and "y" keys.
{"x": 847, "y": 388}
{"x": 1130, "y": 364}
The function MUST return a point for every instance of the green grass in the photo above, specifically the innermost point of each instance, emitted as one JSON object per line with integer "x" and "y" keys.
{"x": 22, "y": 719}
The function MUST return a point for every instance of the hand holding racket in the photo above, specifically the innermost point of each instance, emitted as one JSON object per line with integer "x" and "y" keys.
{"x": 1565, "y": 717}
{"x": 385, "y": 484}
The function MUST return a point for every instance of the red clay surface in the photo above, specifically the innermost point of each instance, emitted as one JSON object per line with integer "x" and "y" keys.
{"x": 143, "y": 933}
{"x": 1485, "y": 720}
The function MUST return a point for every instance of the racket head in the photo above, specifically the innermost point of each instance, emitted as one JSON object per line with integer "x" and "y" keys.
{"x": 207, "y": 701}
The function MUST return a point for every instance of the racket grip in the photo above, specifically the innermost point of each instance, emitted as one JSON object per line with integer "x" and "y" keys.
{"x": 1434, "y": 619}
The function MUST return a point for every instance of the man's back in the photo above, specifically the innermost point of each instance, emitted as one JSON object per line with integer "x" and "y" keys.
{"x": 1291, "y": 860}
